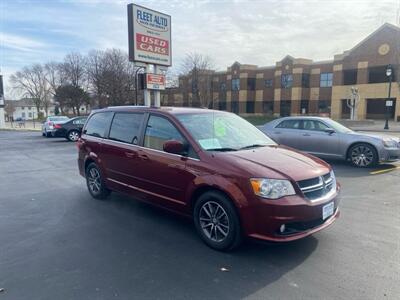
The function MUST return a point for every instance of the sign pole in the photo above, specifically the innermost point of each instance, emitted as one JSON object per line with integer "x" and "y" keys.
{"x": 147, "y": 95}
{"x": 2, "y": 104}
{"x": 157, "y": 93}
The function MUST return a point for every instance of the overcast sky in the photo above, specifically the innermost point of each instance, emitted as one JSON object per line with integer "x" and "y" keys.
{"x": 253, "y": 31}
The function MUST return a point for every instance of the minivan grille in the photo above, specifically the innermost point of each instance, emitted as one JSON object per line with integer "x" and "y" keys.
{"x": 317, "y": 187}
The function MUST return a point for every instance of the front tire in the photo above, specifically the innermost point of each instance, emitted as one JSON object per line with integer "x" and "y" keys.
{"x": 217, "y": 221}
{"x": 73, "y": 135}
{"x": 95, "y": 182}
{"x": 363, "y": 155}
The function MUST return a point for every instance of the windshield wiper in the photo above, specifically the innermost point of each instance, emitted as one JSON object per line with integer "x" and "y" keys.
{"x": 252, "y": 146}
{"x": 222, "y": 149}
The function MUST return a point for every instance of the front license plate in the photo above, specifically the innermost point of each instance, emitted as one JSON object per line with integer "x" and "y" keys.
{"x": 327, "y": 210}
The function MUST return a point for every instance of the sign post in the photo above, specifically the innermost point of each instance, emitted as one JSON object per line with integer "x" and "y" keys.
{"x": 2, "y": 104}
{"x": 150, "y": 46}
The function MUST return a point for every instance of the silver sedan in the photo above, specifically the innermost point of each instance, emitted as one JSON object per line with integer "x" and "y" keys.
{"x": 328, "y": 139}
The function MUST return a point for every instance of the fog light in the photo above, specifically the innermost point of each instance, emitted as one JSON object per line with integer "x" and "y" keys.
{"x": 282, "y": 228}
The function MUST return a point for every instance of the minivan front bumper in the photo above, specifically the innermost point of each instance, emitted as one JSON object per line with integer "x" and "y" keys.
{"x": 299, "y": 216}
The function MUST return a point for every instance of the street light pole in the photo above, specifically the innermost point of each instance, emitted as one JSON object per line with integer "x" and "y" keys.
{"x": 389, "y": 73}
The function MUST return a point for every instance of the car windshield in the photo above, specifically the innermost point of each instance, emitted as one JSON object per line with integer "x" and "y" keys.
{"x": 338, "y": 127}
{"x": 219, "y": 131}
{"x": 58, "y": 118}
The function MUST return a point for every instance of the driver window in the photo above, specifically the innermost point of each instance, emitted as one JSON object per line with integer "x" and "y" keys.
{"x": 158, "y": 131}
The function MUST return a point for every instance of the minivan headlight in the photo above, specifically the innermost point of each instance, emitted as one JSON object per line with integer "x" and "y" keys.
{"x": 272, "y": 188}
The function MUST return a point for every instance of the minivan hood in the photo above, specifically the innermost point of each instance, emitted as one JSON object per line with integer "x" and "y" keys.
{"x": 284, "y": 161}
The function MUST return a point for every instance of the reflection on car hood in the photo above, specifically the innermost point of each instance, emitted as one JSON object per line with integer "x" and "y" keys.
{"x": 285, "y": 161}
{"x": 374, "y": 135}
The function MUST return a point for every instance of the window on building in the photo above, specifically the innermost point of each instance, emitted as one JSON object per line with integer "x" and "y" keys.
{"x": 222, "y": 105}
{"x": 251, "y": 84}
{"x": 125, "y": 127}
{"x": 378, "y": 75}
{"x": 236, "y": 84}
{"x": 22, "y": 107}
{"x": 324, "y": 106}
{"x": 158, "y": 131}
{"x": 222, "y": 86}
{"x": 268, "y": 107}
{"x": 326, "y": 80}
{"x": 349, "y": 77}
{"x": 286, "y": 80}
{"x": 250, "y": 107}
{"x": 235, "y": 107}
{"x": 98, "y": 124}
{"x": 23, "y": 115}
{"x": 29, "y": 108}
{"x": 304, "y": 106}
{"x": 30, "y": 115}
{"x": 268, "y": 83}
{"x": 305, "y": 80}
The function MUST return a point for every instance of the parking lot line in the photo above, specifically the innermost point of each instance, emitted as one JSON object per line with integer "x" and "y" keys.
{"x": 384, "y": 170}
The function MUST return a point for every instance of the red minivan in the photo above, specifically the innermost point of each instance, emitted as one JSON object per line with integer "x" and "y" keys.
{"x": 211, "y": 165}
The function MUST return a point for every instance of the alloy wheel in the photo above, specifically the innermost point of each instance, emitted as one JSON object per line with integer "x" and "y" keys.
{"x": 94, "y": 181}
{"x": 73, "y": 136}
{"x": 214, "y": 221}
{"x": 362, "y": 156}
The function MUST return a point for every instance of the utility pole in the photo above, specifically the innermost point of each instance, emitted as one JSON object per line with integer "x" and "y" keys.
{"x": 2, "y": 104}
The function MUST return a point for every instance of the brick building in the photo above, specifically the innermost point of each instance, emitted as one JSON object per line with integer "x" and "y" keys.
{"x": 296, "y": 86}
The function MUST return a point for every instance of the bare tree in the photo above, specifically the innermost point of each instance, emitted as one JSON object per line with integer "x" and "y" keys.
{"x": 32, "y": 82}
{"x": 198, "y": 69}
{"x": 73, "y": 70}
{"x": 111, "y": 77}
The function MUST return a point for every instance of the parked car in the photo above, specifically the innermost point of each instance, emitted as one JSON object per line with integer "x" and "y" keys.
{"x": 214, "y": 166}
{"x": 48, "y": 124}
{"x": 328, "y": 139}
{"x": 71, "y": 129}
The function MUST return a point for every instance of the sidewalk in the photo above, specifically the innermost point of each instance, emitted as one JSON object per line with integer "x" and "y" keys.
{"x": 27, "y": 125}
{"x": 376, "y": 126}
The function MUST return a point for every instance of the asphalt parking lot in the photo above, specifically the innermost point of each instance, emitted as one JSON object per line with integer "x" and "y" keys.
{"x": 56, "y": 242}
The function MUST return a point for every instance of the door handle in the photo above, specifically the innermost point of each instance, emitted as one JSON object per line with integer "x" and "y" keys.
{"x": 130, "y": 154}
{"x": 306, "y": 134}
{"x": 144, "y": 157}
{"x": 277, "y": 132}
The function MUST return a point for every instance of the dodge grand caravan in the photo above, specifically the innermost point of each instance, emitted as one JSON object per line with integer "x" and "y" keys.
{"x": 210, "y": 165}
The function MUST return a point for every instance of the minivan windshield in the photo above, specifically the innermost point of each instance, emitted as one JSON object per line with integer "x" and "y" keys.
{"x": 221, "y": 131}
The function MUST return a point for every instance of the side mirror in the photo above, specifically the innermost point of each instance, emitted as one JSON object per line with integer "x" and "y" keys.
{"x": 329, "y": 130}
{"x": 175, "y": 147}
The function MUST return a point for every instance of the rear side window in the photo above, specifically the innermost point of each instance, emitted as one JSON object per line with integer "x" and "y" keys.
{"x": 289, "y": 124}
{"x": 158, "y": 131}
{"x": 98, "y": 124}
{"x": 314, "y": 125}
{"x": 125, "y": 127}
{"x": 80, "y": 121}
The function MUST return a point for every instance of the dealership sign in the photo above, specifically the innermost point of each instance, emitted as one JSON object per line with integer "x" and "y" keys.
{"x": 155, "y": 81}
{"x": 149, "y": 36}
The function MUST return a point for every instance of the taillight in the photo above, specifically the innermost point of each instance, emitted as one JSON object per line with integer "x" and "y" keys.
{"x": 57, "y": 126}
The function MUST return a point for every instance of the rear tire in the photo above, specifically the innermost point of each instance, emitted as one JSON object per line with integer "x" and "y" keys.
{"x": 363, "y": 155}
{"x": 217, "y": 221}
{"x": 95, "y": 182}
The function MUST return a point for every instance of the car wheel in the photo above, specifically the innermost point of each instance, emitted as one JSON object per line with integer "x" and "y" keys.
{"x": 363, "y": 155}
{"x": 216, "y": 221}
{"x": 73, "y": 135}
{"x": 95, "y": 182}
